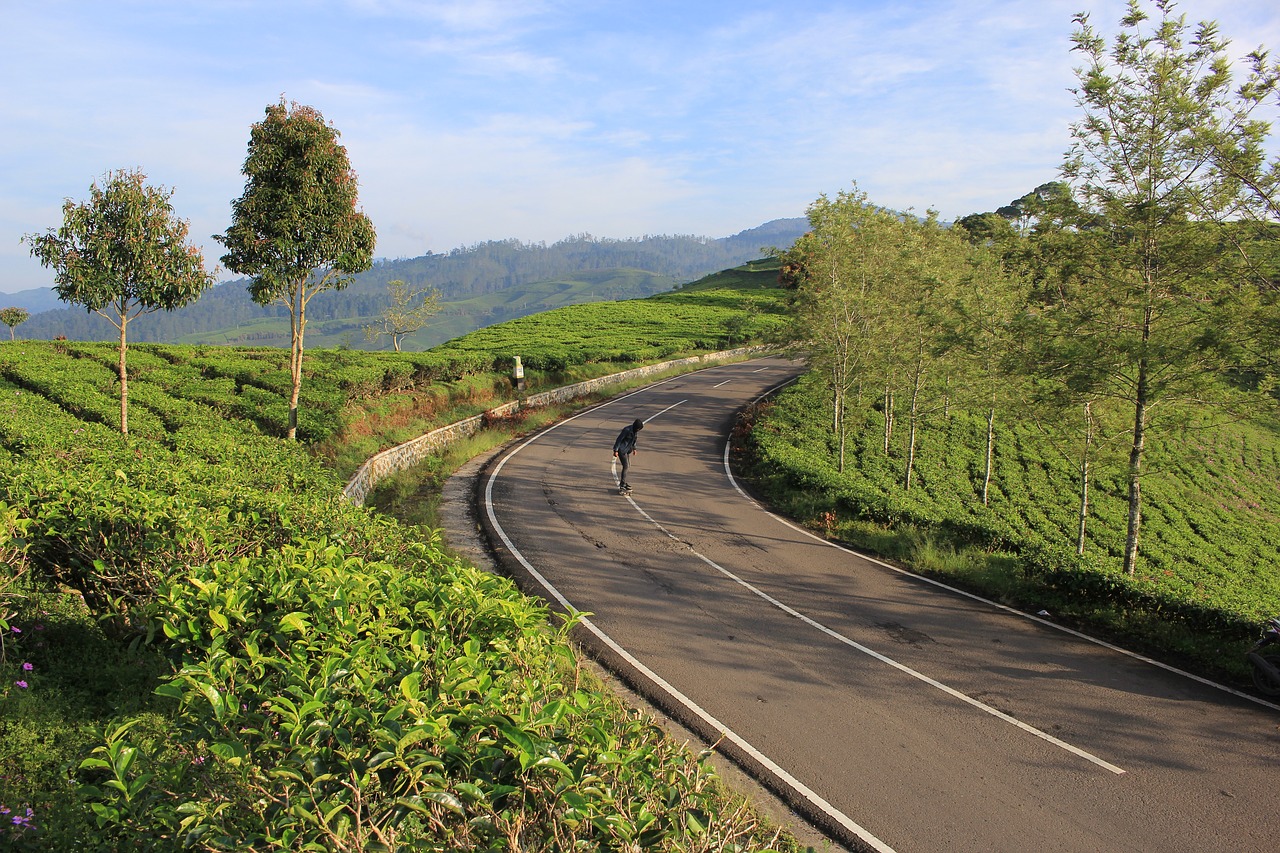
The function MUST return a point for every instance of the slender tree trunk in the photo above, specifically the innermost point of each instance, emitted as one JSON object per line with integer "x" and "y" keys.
{"x": 1135, "y": 470}
{"x": 840, "y": 430}
{"x": 298, "y": 324}
{"x": 1084, "y": 477}
{"x": 124, "y": 374}
{"x": 911, "y": 432}
{"x": 991, "y": 445}
{"x": 835, "y": 400}
{"x": 1141, "y": 392}
{"x": 888, "y": 419}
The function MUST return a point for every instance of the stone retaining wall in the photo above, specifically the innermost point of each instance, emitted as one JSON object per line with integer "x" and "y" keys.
{"x": 412, "y": 452}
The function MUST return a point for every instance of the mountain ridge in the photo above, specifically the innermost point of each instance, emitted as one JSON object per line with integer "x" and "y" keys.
{"x": 485, "y": 282}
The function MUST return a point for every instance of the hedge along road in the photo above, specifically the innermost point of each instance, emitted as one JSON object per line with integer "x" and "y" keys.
{"x": 893, "y": 712}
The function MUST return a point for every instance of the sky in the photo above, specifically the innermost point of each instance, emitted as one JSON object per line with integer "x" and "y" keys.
{"x": 538, "y": 120}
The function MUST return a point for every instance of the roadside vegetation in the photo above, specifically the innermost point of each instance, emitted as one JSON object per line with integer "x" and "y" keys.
{"x": 204, "y": 646}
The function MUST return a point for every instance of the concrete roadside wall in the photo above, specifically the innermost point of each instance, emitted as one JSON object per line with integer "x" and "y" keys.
{"x": 402, "y": 456}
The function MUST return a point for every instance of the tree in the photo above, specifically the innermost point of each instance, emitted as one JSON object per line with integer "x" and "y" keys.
{"x": 1155, "y": 161}
{"x": 12, "y": 317}
{"x": 986, "y": 228}
{"x": 931, "y": 267}
{"x": 123, "y": 254}
{"x": 841, "y": 273}
{"x": 979, "y": 333}
{"x": 408, "y": 312}
{"x": 296, "y": 229}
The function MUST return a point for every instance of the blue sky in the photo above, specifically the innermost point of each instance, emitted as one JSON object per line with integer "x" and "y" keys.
{"x": 541, "y": 119}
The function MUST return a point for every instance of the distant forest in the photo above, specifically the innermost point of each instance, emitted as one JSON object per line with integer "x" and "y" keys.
{"x": 460, "y": 275}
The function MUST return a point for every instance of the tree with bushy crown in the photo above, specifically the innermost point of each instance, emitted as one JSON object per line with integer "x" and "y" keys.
{"x": 14, "y": 317}
{"x": 121, "y": 254}
{"x": 296, "y": 230}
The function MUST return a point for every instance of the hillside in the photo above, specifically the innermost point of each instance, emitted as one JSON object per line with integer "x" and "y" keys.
{"x": 207, "y": 648}
{"x": 479, "y": 285}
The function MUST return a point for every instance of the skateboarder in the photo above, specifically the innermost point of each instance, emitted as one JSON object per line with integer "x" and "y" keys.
{"x": 624, "y": 447}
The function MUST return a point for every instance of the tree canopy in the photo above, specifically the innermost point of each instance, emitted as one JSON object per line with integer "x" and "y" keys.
{"x": 13, "y": 317}
{"x": 121, "y": 254}
{"x": 296, "y": 230}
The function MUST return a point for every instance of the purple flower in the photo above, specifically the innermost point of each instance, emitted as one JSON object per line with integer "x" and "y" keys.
{"x": 15, "y": 629}
{"x": 21, "y": 684}
{"x": 27, "y": 667}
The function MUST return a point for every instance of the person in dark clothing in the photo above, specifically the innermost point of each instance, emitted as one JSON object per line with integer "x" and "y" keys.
{"x": 624, "y": 447}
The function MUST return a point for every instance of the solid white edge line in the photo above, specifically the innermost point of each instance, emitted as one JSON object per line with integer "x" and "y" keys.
{"x": 781, "y": 774}
{"x": 1103, "y": 643}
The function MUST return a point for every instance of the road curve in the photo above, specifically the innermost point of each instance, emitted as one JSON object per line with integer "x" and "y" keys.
{"x": 893, "y": 712}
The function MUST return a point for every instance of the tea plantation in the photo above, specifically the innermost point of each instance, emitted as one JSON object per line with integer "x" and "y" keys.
{"x": 203, "y": 646}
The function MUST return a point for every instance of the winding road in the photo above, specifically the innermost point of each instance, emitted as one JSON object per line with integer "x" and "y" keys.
{"x": 893, "y": 712}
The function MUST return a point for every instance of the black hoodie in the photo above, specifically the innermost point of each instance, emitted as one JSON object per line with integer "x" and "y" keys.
{"x": 626, "y": 440}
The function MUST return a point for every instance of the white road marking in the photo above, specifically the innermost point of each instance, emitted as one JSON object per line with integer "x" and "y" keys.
{"x": 733, "y": 737}
{"x": 901, "y": 667}
{"x": 667, "y": 409}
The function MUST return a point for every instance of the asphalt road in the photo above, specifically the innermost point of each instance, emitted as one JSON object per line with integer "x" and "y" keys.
{"x": 892, "y": 712}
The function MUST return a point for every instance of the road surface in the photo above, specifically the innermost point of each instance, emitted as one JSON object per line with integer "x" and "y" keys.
{"x": 893, "y": 712}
